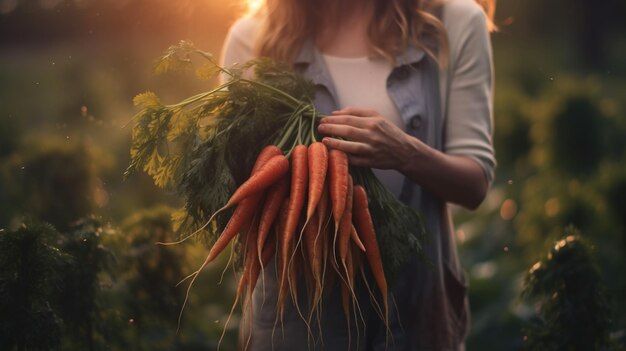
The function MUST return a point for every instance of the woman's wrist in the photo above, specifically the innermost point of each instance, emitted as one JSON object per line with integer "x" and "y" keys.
{"x": 416, "y": 155}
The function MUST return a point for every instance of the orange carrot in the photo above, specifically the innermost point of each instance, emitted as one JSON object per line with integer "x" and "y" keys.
{"x": 268, "y": 251}
{"x": 365, "y": 227}
{"x": 266, "y": 175}
{"x": 355, "y": 238}
{"x": 356, "y": 259}
{"x": 323, "y": 210}
{"x": 318, "y": 165}
{"x": 346, "y": 290}
{"x": 338, "y": 182}
{"x": 251, "y": 252}
{"x": 325, "y": 214}
{"x": 345, "y": 226}
{"x": 299, "y": 175}
{"x": 275, "y": 196}
{"x": 246, "y": 208}
{"x": 314, "y": 248}
{"x": 242, "y": 214}
{"x": 282, "y": 291}
{"x": 265, "y": 155}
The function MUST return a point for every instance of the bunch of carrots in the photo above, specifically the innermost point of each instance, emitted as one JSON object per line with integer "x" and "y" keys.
{"x": 300, "y": 203}
{"x": 303, "y": 208}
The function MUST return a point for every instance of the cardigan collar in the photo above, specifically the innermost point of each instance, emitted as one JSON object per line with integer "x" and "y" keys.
{"x": 309, "y": 54}
{"x": 310, "y": 63}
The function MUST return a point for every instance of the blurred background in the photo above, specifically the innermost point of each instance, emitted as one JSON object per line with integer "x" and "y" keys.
{"x": 78, "y": 266}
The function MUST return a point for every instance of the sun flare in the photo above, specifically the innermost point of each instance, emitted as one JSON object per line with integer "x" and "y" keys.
{"x": 254, "y": 5}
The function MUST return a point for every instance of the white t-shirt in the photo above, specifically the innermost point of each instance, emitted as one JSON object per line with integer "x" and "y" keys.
{"x": 362, "y": 81}
{"x": 466, "y": 83}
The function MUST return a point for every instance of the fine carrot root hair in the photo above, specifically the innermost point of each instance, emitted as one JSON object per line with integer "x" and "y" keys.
{"x": 249, "y": 260}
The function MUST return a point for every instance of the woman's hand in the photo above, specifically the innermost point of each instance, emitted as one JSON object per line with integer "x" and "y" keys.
{"x": 375, "y": 142}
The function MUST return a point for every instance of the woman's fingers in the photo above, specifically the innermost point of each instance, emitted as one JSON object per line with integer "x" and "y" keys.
{"x": 347, "y": 131}
{"x": 356, "y": 111}
{"x": 349, "y": 147}
{"x": 359, "y": 154}
{"x": 354, "y": 121}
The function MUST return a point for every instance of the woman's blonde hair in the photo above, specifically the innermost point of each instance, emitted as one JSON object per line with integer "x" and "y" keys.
{"x": 395, "y": 25}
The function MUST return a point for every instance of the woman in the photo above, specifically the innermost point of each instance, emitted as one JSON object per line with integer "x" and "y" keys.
{"x": 409, "y": 83}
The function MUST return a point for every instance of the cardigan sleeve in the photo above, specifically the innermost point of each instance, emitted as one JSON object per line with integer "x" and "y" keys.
{"x": 468, "y": 108}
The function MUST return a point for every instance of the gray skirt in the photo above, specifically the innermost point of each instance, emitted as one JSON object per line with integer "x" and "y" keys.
{"x": 331, "y": 331}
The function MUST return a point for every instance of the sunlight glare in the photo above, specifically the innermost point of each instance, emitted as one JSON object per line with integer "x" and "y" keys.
{"x": 254, "y": 5}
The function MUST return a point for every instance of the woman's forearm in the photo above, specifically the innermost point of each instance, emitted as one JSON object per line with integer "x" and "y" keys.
{"x": 456, "y": 179}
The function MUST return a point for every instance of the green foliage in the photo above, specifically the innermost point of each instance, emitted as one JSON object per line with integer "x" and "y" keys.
{"x": 31, "y": 276}
{"x": 78, "y": 304}
{"x": 49, "y": 284}
{"x": 146, "y": 298}
{"x": 577, "y": 129}
{"x": 560, "y": 148}
{"x": 574, "y": 312}
{"x": 50, "y": 179}
{"x": 178, "y": 58}
{"x": 150, "y": 275}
